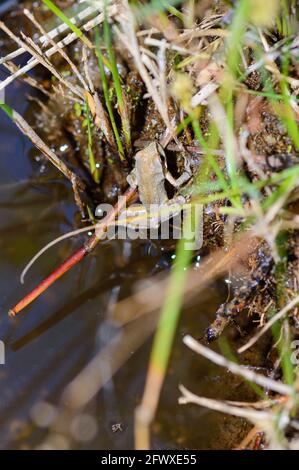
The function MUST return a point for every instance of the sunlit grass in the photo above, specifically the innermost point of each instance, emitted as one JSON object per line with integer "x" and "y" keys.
{"x": 122, "y": 107}
{"x": 92, "y": 164}
{"x": 107, "y": 98}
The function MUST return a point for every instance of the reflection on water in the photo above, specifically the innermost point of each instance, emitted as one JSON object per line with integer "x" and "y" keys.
{"x": 55, "y": 338}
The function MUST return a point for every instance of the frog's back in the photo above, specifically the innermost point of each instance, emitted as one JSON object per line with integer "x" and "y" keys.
{"x": 151, "y": 176}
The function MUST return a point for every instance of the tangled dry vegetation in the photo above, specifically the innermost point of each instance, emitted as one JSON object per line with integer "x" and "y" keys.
{"x": 217, "y": 84}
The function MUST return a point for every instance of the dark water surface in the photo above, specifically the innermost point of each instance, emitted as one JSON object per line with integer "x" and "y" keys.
{"x": 55, "y": 337}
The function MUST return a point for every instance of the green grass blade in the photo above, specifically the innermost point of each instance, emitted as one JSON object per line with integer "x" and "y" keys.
{"x": 235, "y": 38}
{"x": 62, "y": 16}
{"x": 107, "y": 97}
{"x": 7, "y": 109}
{"x": 171, "y": 309}
{"x": 117, "y": 85}
{"x": 92, "y": 164}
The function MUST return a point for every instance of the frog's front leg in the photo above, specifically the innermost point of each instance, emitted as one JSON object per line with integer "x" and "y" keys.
{"x": 185, "y": 176}
{"x": 132, "y": 178}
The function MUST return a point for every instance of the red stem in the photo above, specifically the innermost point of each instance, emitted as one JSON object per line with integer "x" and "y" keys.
{"x": 63, "y": 268}
{"x": 74, "y": 258}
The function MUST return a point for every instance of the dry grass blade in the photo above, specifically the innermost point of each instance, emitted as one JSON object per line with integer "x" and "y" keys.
{"x": 259, "y": 405}
{"x": 270, "y": 323}
{"x": 26, "y": 129}
{"x": 102, "y": 121}
{"x": 217, "y": 405}
{"x": 97, "y": 110}
{"x": 36, "y": 52}
{"x": 65, "y": 236}
{"x": 203, "y": 94}
{"x": 157, "y": 43}
{"x": 51, "y": 41}
{"x": 129, "y": 39}
{"x": 29, "y": 80}
{"x": 44, "y": 39}
{"x": 64, "y": 42}
{"x": 247, "y": 374}
{"x": 198, "y": 33}
{"x": 43, "y": 147}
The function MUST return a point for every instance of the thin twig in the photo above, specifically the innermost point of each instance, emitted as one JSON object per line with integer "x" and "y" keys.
{"x": 129, "y": 39}
{"x": 27, "y": 79}
{"x": 223, "y": 407}
{"x": 27, "y": 130}
{"x": 248, "y": 438}
{"x": 36, "y": 52}
{"x": 97, "y": 110}
{"x": 62, "y": 28}
{"x": 51, "y": 41}
{"x": 65, "y": 236}
{"x": 64, "y": 42}
{"x": 76, "y": 257}
{"x": 270, "y": 323}
{"x": 247, "y": 374}
{"x": 203, "y": 94}
{"x": 198, "y": 33}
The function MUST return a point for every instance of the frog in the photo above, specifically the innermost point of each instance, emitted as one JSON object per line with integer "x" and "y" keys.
{"x": 149, "y": 176}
